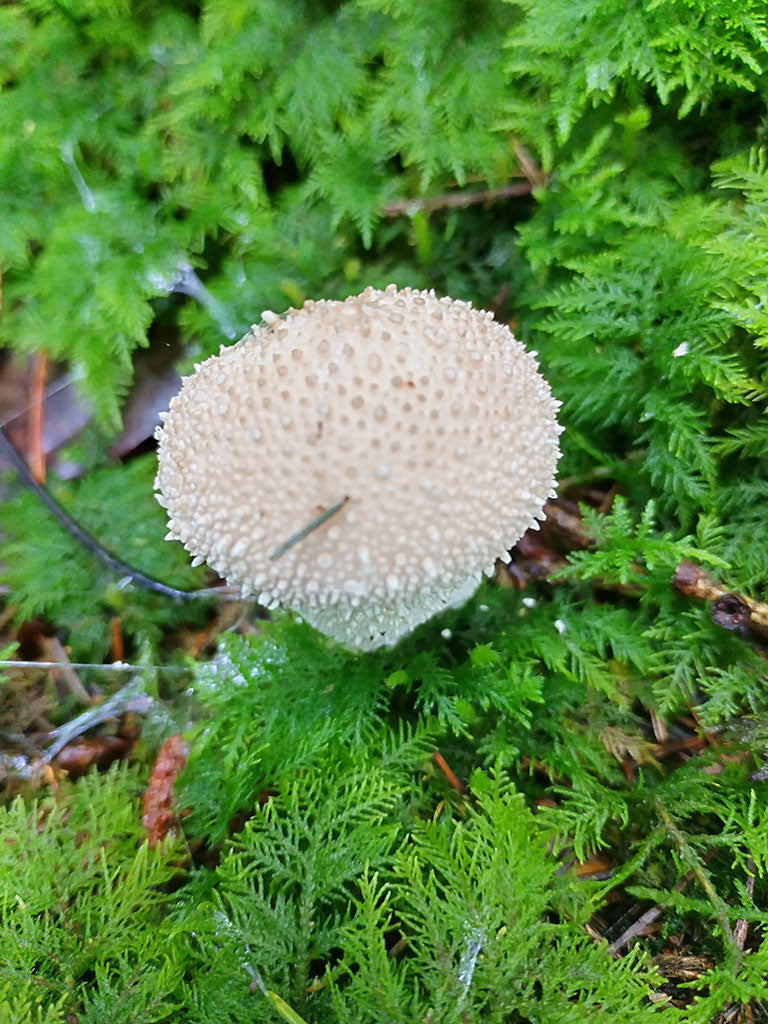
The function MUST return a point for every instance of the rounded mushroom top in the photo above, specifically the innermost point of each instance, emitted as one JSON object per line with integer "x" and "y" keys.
{"x": 364, "y": 461}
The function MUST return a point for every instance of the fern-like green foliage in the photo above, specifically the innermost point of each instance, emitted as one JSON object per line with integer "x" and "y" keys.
{"x": 433, "y": 880}
{"x": 137, "y": 175}
{"x": 81, "y": 909}
{"x": 574, "y": 57}
{"x": 285, "y": 886}
{"x": 357, "y": 885}
{"x": 642, "y": 294}
{"x": 479, "y": 906}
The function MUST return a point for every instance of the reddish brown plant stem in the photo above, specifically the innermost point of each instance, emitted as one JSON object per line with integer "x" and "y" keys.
{"x": 116, "y": 637}
{"x": 35, "y": 452}
{"x": 444, "y": 767}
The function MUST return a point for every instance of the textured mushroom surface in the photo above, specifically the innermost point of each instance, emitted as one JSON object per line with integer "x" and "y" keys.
{"x": 424, "y": 417}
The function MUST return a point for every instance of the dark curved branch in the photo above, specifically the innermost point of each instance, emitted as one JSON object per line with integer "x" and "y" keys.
{"x": 73, "y": 528}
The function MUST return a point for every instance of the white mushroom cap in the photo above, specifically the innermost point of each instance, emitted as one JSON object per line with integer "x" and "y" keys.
{"x": 425, "y": 414}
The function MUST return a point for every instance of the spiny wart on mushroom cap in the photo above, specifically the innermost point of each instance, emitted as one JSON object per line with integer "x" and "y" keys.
{"x": 422, "y": 418}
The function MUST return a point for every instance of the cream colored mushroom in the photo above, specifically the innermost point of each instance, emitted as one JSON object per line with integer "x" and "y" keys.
{"x": 363, "y": 462}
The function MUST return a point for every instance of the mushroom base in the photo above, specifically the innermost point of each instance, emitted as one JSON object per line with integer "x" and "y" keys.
{"x": 383, "y": 623}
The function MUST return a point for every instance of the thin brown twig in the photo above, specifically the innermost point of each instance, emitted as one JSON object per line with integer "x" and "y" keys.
{"x": 741, "y": 927}
{"x": 659, "y": 726}
{"x": 686, "y": 745}
{"x": 535, "y": 175}
{"x": 732, "y": 611}
{"x": 643, "y": 922}
{"x": 455, "y": 200}
{"x": 56, "y": 652}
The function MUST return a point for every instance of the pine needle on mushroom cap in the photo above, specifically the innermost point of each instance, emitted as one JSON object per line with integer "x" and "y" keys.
{"x": 422, "y": 419}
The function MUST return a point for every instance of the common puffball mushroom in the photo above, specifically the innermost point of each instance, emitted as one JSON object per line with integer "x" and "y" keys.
{"x": 363, "y": 462}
